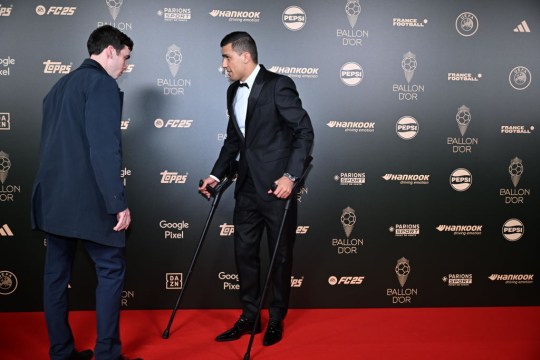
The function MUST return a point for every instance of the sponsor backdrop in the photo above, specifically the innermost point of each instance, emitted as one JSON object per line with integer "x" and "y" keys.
{"x": 423, "y": 189}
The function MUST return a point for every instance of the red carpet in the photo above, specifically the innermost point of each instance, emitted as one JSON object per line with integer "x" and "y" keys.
{"x": 497, "y": 333}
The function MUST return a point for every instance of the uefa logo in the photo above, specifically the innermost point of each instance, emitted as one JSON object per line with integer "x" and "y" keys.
{"x": 461, "y": 179}
{"x": 351, "y": 74}
{"x": 8, "y": 282}
{"x": 294, "y": 18}
{"x": 407, "y": 127}
{"x": 467, "y": 24}
{"x": 513, "y": 229}
{"x": 520, "y": 78}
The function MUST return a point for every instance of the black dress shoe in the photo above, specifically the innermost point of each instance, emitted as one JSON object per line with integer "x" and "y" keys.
{"x": 127, "y": 358}
{"x": 241, "y": 327}
{"x": 81, "y": 355}
{"x": 274, "y": 332}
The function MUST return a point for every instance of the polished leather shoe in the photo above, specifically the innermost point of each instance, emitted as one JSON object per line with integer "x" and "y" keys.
{"x": 241, "y": 327}
{"x": 81, "y": 355}
{"x": 274, "y": 332}
{"x": 127, "y": 358}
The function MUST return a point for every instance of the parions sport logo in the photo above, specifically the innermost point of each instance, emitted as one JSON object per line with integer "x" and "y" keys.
{"x": 175, "y": 14}
{"x": 350, "y": 178}
{"x": 458, "y": 279}
{"x": 405, "y": 230}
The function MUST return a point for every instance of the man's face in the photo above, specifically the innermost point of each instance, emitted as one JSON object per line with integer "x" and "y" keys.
{"x": 234, "y": 64}
{"x": 117, "y": 62}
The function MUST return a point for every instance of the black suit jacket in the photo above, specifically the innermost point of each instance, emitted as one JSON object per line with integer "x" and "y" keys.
{"x": 279, "y": 134}
{"x": 78, "y": 191}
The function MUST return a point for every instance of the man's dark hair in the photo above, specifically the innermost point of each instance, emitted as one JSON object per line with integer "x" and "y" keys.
{"x": 241, "y": 42}
{"x": 107, "y": 35}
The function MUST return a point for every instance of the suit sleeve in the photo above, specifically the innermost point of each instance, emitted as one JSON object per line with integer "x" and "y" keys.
{"x": 103, "y": 112}
{"x": 297, "y": 119}
{"x": 230, "y": 149}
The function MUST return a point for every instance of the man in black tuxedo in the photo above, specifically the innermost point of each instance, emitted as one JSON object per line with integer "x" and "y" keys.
{"x": 78, "y": 194}
{"x": 273, "y": 135}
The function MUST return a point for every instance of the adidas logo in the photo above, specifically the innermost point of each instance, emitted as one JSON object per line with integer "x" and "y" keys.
{"x": 522, "y": 28}
{"x": 5, "y": 230}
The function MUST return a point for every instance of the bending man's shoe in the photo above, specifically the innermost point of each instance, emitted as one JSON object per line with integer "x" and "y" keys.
{"x": 241, "y": 327}
{"x": 274, "y": 332}
{"x": 81, "y": 355}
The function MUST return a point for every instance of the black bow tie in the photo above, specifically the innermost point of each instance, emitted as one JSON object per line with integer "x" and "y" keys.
{"x": 243, "y": 84}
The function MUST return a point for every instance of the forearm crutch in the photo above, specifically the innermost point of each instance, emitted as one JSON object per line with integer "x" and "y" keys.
{"x": 216, "y": 193}
{"x": 272, "y": 261}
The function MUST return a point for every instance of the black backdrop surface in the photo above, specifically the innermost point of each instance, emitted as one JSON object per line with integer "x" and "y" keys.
{"x": 422, "y": 191}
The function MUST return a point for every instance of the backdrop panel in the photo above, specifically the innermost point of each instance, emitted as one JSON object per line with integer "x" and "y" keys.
{"x": 422, "y": 191}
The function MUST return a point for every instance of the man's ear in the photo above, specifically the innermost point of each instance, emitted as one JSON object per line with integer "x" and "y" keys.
{"x": 246, "y": 57}
{"x": 110, "y": 50}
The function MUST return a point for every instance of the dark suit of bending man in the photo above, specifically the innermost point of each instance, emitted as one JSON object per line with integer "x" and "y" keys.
{"x": 273, "y": 135}
{"x": 78, "y": 194}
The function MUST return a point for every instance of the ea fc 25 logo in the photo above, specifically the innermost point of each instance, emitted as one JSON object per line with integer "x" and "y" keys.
{"x": 55, "y": 10}
{"x": 351, "y": 74}
{"x": 461, "y": 179}
{"x": 294, "y": 18}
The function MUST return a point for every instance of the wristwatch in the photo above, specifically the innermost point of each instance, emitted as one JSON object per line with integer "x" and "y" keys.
{"x": 290, "y": 177}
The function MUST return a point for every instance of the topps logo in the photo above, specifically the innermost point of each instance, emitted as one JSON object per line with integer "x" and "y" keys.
{"x": 296, "y": 283}
{"x": 5, "y": 11}
{"x": 56, "y": 67}
{"x": 226, "y": 229}
{"x": 168, "y": 177}
{"x": 302, "y": 229}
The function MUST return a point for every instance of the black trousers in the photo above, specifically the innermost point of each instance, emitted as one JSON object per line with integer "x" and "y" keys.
{"x": 253, "y": 215}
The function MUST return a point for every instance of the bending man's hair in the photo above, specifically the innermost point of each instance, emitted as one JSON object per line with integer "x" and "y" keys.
{"x": 107, "y": 35}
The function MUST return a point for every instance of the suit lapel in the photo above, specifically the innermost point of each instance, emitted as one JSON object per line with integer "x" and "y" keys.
{"x": 254, "y": 95}
{"x": 232, "y": 115}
